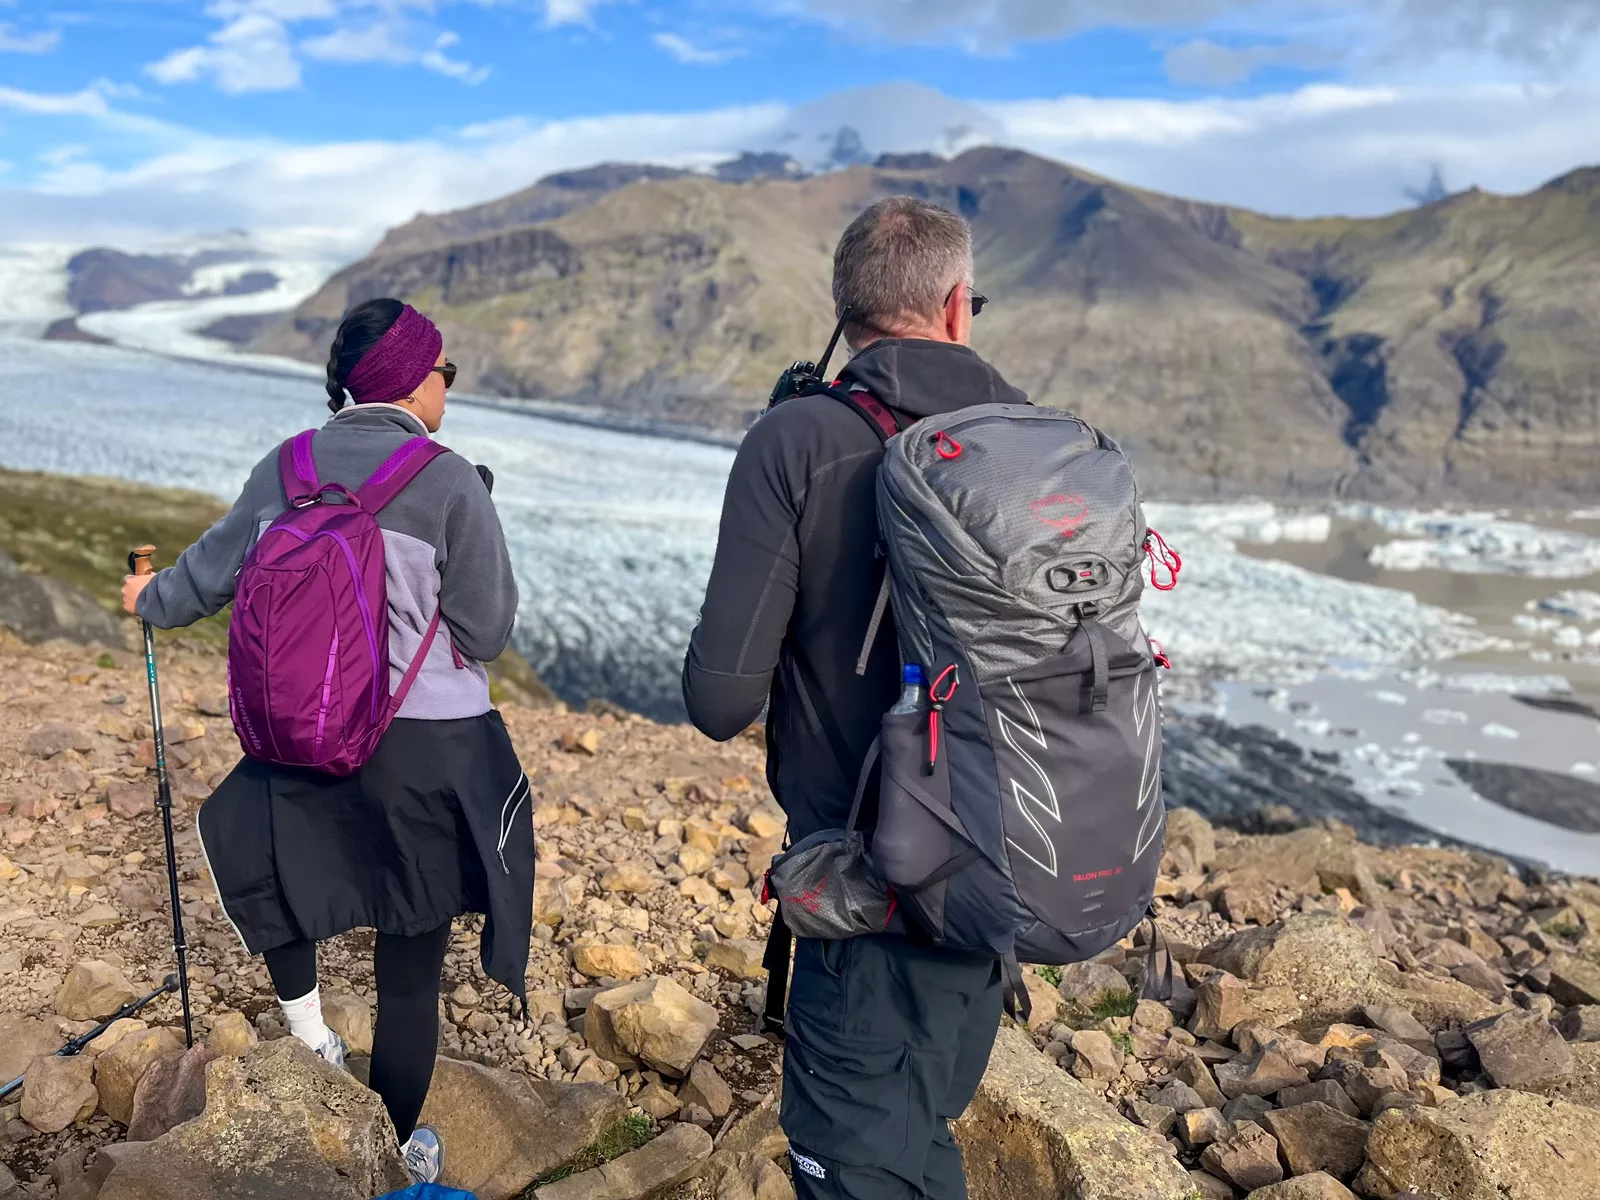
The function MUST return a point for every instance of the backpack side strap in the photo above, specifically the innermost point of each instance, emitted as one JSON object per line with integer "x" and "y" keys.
{"x": 396, "y": 471}
{"x": 780, "y": 947}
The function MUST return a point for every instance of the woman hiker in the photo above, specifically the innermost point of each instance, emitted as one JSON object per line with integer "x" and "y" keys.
{"x": 437, "y": 822}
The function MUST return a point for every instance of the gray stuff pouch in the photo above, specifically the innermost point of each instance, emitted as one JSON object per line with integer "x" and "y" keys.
{"x": 826, "y": 888}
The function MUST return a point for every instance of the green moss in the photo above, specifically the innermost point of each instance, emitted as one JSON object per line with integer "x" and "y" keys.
{"x": 628, "y": 1134}
{"x": 1051, "y": 975}
{"x": 1568, "y": 932}
{"x": 1114, "y": 1004}
{"x": 1122, "y": 1040}
{"x": 79, "y": 529}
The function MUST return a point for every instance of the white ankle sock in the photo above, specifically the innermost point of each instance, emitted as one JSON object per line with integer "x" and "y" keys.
{"x": 305, "y": 1018}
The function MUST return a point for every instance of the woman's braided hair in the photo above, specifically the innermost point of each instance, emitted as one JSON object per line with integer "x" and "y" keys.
{"x": 359, "y": 332}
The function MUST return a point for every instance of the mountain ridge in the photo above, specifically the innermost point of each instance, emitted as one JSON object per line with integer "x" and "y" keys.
{"x": 1444, "y": 351}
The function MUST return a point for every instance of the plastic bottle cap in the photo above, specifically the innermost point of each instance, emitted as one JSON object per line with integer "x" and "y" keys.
{"x": 912, "y": 673}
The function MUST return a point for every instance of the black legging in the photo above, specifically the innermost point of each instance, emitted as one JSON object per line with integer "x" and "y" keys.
{"x": 406, "y": 1036}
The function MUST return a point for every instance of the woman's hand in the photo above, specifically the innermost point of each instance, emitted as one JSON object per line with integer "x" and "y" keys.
{"x": 132, "y": 585}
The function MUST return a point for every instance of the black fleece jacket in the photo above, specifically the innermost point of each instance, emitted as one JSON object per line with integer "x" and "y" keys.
{"x": 796, "y": 576}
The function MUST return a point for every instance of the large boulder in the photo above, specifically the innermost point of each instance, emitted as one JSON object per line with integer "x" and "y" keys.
{"x": 1033, "y": 1130}
{"x": 1520, "y": 1050}
{"x": 1331, "y": 964}
{"x": 671, "y": 1159}
{"x": 1307, "y": 860}
{"x": 502, "y": 1130}
{"x": 172, "y": 1091}
{"x": 92, "y": 991}
{"x": 1086, "y": 985}
{"x": 351, "y": 1018}
{"x": 58, "y": 1091}
{"x": 1313, "y": 1137}
{"x": 1574, "y": 981}
{"x": 280, "y": 1124}
{"x": 1582, "y": 1084}
{"x": 1191, "y": 844}
{"x": 38, "y": 608}
{"x": 23, "y": 1039}
{"x": 1488, "y": 1146}
{"x": 117, "y": 1072}
{"x": 653, "y": 1022}
{"x": 1316, "y": 1186}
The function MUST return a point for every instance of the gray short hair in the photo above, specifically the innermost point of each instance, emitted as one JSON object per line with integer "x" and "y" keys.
{"x": 899, "y": 259}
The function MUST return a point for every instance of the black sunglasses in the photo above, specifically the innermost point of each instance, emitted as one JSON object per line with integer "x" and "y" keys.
{"x": 449, "y": 373}
{"x": 979, "y": 300}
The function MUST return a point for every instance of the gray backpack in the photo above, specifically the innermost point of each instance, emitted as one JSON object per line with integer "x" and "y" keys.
{"x": 1020, "y": 808}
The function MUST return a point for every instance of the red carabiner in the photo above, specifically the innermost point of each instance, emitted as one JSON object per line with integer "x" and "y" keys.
{"x": 946, "y": 445}
{"x": 937, "y": 703}
{"x": 1162, "y": 555}
{"x": 1159, "y": 654}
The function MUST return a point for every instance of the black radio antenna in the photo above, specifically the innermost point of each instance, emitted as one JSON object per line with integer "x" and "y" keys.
{"x": 833, "y": 342}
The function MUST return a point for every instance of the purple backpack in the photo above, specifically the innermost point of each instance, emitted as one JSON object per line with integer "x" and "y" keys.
{"x": 308, "y": 647}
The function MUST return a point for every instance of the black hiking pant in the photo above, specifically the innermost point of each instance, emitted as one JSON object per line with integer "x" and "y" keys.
{"x": 887, "y": 1041}
{"x": 405, "y": 1037}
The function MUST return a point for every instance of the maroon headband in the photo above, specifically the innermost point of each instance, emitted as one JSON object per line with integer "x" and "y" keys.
{"x": 400, "y": 361}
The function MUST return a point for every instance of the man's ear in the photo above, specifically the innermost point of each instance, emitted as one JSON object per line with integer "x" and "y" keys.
{"x": 958, "y": 315}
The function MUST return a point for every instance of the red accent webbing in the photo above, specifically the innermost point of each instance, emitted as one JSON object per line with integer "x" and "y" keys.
{"x": 876, "y": 409}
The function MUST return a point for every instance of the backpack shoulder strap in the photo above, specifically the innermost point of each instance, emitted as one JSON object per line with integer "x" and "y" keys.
{"x": 873, "y": 411}
{"x": 399, "y": 469}
{"x": 297, "y": 468}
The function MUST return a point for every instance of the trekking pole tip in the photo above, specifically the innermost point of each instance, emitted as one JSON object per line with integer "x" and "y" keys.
{"x": 139, "y": 560}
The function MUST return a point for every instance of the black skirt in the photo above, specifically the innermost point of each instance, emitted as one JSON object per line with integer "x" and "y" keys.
{"x": 438, "y": 824}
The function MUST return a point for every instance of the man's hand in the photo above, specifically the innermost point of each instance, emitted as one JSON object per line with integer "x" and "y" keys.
{"x": 132, "y": 585}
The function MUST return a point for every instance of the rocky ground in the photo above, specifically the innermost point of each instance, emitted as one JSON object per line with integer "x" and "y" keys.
{"x": 1342, "y": 1017}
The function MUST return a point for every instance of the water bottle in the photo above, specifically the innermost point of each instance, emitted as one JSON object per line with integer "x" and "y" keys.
{"x": 911, "y": 697}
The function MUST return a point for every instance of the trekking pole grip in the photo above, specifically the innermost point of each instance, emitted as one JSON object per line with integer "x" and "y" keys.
{"x": 139, "y": 560}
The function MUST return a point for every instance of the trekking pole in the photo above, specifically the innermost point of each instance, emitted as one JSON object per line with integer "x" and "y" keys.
{"x": 139, "y": 564}
{"x": 76, "y": 1045}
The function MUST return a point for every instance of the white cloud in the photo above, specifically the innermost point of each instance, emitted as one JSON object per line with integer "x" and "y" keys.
{"x": 1322, "y": 149}
{"x": 571, "y": 12}
{"x": 685, "y": 51}
{"x": 42, "y": 42}
{"x": 251, "y": 53}
{"x": 376, "y": 42}
{"x": 256, "y": 48}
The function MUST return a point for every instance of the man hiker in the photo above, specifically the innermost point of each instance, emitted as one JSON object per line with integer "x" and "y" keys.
{"x": 888, "y": 1036}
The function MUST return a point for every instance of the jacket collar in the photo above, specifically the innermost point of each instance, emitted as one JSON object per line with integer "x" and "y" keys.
{"x": 380, "y": 416}
{"x": 922, "y": 377}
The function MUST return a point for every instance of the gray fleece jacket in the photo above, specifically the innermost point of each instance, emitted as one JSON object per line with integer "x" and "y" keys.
{"x": 442, "y": 542}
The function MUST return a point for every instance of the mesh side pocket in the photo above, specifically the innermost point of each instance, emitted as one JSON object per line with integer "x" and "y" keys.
{"x": 826, "y": 887}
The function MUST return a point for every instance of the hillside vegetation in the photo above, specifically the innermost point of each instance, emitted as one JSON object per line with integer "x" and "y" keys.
{"x": 1444, "y": 351}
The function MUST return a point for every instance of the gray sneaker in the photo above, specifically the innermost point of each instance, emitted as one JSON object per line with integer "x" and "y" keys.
{"x": 424, "y": 1155}
{"x": 333, "y": 1050}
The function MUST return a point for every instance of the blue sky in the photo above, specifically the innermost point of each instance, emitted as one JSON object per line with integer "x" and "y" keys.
{"x": 332, "y": 118}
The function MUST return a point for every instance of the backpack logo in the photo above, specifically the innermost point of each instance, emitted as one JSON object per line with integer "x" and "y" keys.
{"x": 810, "y": 899}
{"x": 1063, "y": 512}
